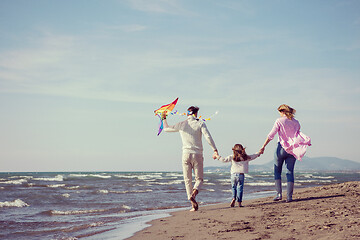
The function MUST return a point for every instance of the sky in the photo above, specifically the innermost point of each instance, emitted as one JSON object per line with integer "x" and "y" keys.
{"x": 79, "y": 80}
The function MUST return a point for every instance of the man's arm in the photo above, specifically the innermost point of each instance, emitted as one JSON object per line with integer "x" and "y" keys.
{"x": 208, "y": 137}
{"x": 168, "y": 128}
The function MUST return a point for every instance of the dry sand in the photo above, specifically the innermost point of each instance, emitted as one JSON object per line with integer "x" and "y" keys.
{"x": 326, "y": 212}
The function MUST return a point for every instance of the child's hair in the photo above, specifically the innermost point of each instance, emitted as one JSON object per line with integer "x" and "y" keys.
{"x": 239, "y": 153}
{"x": 287, "y": 110}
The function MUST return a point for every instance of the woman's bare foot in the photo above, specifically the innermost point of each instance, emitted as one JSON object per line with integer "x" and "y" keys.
{"x": 232, "y": 204}
{"x": 240, "y": 205}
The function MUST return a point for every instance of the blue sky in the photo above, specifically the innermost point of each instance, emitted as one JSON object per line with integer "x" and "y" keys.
{"x": 79, "y": 80}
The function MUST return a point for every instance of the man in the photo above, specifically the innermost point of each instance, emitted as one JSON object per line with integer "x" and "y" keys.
{"x": 191, "y": 132}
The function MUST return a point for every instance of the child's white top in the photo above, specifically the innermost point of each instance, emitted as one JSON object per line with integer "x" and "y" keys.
{"x": 239, "y": 167}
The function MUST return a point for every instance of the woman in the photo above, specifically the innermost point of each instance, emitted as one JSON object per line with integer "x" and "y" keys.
{"x": 291, "y": 146}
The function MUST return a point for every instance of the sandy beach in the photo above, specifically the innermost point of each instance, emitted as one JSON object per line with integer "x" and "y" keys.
{"x": 326, "y": 212}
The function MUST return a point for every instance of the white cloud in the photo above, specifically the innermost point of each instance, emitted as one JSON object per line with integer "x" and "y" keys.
{"x": 47, "y": 50}
{"x": 75, "y": 66}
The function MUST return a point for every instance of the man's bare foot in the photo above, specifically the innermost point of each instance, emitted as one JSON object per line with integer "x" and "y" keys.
{"x": 194, "y": 204}
{"x": 240, "y": 205}
{"x": 232, "y": 204}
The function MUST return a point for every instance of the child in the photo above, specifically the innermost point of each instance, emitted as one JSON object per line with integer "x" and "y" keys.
{"x": 239, "y": 165}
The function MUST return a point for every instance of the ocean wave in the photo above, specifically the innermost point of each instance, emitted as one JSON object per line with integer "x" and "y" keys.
{"x": 169, "y": 178}
{"x": 167, "y": 183}
{"x": 74, "y": 212}
{"x": 262, "y": 184}
{"x": 55, "y": 185}
{"x": 309, "y": 175}
{"x": 208, "y": 183}
{"x": 125, "y": 176}
{"x": 99, "y": 176}
{"x": 126, "y": 207}
{"x": 65, "y": 195}
{"x": 72, "y": 187}
{"x": 314, "y": 181}
{"x": 224, "y": 180}
{"x": 138, "y": 191}
{"x": 24, "y": 177}
{"x": 174, "y": 175}
{"x": 78, "y": 175}
{"x": 149, "y": 176}
{"x": 103, "y": 191}
{"x": 81, "y": 227}
{"x": 57, "y": 178}
{"x": 74, "y": 175}
{"x": 15, "y": 182}
{"x": 141, "y": 185}
{"x": 229, "y": 190}
{"x": 132, "y": 191}
{"x": 16, "y": 203}
{"x": 328, "y": 177}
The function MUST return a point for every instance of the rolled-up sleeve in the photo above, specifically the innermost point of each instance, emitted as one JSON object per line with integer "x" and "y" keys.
{"x": 274, "y": 130}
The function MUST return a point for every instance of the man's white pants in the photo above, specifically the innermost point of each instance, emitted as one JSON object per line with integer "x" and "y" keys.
{"x": 192, "y": 161}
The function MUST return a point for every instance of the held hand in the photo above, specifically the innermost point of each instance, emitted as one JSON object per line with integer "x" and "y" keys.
{"x": 215, "y": 155}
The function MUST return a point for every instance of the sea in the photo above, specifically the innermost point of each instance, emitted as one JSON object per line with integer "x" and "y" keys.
{"x": 115, "y": 205}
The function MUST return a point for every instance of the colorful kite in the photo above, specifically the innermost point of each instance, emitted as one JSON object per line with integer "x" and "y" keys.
{"x": 167, "y": 109}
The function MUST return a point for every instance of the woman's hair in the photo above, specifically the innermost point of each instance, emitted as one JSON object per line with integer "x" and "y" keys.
{"x": 193, "y": 110}
{"x": 287, "y": 110}
{"x": 239, "y": 153}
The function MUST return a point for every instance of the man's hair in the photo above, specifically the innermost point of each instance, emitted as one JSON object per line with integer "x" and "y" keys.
{"x": 193, "y": 109}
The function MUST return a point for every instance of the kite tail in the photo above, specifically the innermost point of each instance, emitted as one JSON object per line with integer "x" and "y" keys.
{"x": 161, "y": 125}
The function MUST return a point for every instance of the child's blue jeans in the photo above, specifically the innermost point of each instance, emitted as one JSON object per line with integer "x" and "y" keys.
{"x": 237, "y": 185}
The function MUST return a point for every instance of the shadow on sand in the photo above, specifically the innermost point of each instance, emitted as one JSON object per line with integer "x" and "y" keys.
{"x": 254, "y": 205}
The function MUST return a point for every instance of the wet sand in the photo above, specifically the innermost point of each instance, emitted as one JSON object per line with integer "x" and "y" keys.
{"x": 326, "y": 212}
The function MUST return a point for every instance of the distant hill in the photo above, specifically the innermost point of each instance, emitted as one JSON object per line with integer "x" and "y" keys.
{"x": 328, "y": 164}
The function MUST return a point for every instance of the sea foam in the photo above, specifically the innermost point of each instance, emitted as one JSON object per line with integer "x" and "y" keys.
{"x": 55, "y": 185}
{"x": 16, "y": 203}
{"x": 75, "y": 212}
{"x": 57, "y": 178}
{"x": 15, "y": 182}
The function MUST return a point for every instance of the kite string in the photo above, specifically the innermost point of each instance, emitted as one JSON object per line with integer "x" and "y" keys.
{"x": 184, "y": 114}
